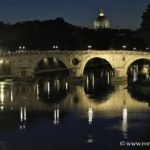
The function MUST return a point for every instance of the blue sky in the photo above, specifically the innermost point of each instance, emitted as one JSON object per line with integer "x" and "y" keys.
{"x": 121, "y": 13}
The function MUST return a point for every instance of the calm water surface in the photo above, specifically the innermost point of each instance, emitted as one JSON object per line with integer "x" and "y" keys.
{"x": 53, "y": 114}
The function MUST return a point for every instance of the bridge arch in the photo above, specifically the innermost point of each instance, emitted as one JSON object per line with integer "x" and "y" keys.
{"x": 14, "y": 65}
{"x": 39, "y": 59}
{"x": 127, "y": 65}
{"x": 85, "y": 62}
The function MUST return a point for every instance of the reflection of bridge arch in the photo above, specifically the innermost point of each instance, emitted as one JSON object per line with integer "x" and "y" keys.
{"x": 127, "y": 65}
{"x": 115, "y": 102}
{"x": 85, "y": 62}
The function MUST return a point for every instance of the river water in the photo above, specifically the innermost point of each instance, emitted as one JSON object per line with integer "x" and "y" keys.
{"x": 53, "y": 114}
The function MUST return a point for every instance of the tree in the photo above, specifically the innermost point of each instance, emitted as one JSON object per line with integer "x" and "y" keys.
{"x": 145, "y": 27}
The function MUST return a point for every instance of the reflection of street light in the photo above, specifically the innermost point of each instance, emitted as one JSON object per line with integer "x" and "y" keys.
{"x": 125, "y": 122}
{"x": 90, "y": 115}
{"x": 147, "y": 48}
{"x": 124, "y": 47}
{"x": 56, "y": 115}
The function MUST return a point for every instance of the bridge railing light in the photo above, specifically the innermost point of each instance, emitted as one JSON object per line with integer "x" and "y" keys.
{"x": 21, "y": 49}
{"x": 124, "y": 47}
{"x": 134, "y": 48}
{"x": 55, "y": 47}
{"x": 89, "y": 47}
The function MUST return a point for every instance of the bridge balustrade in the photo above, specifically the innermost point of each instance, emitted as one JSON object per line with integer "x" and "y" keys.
{"x": 7, "y": 53}
{"x": 120, "y": 63}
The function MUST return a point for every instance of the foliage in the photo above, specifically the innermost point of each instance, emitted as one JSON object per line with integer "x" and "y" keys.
{"x": 145, "y": 27}
{"x": 44, "y": 34}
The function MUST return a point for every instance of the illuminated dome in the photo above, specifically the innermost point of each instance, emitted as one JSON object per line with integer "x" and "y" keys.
{"x": 101, "y": 21}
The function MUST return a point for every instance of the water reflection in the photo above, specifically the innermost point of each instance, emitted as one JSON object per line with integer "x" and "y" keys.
{"x": 138, "y": 70}
{"x": 94, "y": 108}
{"x": 125, "y": 122}
{"x": 56, "y": 115}
{"x": 51, "y": 88}
{"x": 90, "y": 115}
{"x": 23, "y": 118}
{"x": 37, "y": 91}
{"x": 98, "y": 84}
{"x": 2, "y": 94}
{"x": 90, "y": 139}
{"x": 68, "y": 98}
{"x": 135, "y": 72}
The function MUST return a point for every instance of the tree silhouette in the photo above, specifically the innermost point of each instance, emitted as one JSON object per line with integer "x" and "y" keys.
{"x": 42, "y": 35}
{"x": 145, "y": 27}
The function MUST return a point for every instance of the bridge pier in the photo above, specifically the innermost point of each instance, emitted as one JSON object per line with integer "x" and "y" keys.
{"x": 119, "y": 76}
{"x": 23, "y": 73}
{"x": 76, "y": 75}
{"x": 15, "y": 71}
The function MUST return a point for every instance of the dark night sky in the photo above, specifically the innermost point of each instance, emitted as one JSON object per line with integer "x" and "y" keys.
{"x": 121, "y": 13}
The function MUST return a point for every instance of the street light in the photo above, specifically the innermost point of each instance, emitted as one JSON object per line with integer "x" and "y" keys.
{"x": 147, "y": 48}
{"x": 89, "y": 47}
{"x": 21, "y": 48}
{"x": 134, "y": 48}
{"x": 55, "y": 47}
{"x": 124, "y": 47}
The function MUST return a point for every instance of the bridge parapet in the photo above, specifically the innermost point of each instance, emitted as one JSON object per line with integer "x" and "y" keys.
{"x": 36, "y": 52}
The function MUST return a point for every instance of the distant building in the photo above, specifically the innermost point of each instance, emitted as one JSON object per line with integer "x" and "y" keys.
{"x": 101, "y": 22}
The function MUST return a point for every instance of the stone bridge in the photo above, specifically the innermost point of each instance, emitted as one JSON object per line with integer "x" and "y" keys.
{"x": 23, "y": 64}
